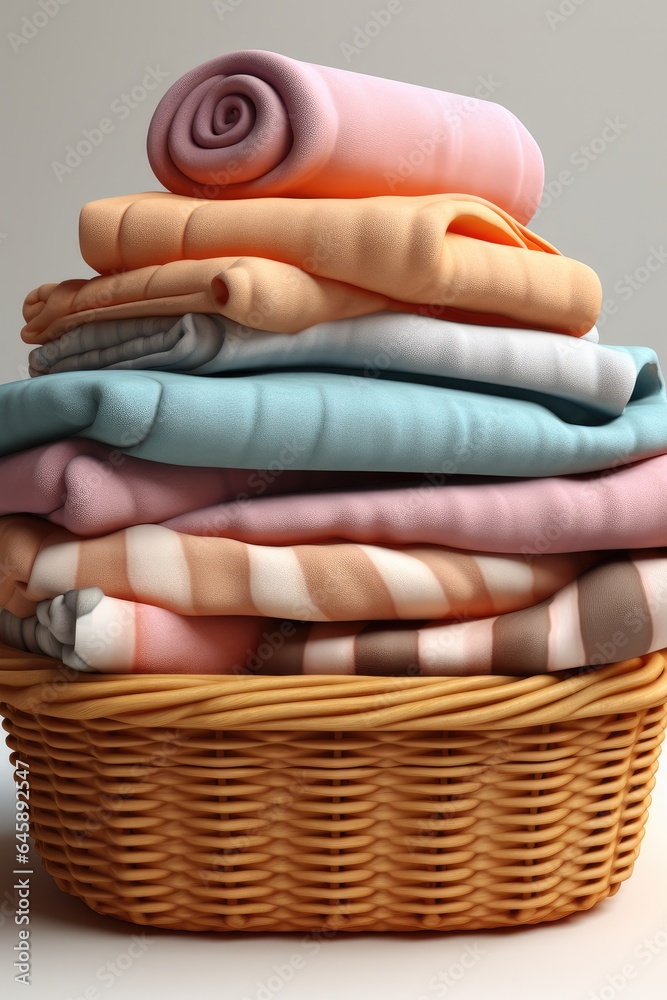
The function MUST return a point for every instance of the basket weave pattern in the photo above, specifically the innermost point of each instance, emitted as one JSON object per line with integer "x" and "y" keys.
{"x": 319, "y": 803}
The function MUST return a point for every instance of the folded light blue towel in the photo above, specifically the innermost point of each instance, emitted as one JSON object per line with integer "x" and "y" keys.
{"x": 316, "y": 420}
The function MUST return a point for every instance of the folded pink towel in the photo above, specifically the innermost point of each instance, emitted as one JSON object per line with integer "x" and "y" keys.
{"x": 618, "y": 508}
{"x": 92, "y": 489}
{"x": 253, "y": 123}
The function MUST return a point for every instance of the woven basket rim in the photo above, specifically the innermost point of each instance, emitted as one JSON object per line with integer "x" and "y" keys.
{"x": 324, "y": 702}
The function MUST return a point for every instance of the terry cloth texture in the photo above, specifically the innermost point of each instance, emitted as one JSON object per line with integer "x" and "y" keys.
{"x": 446, "y": 250}
{"x": 255, "y": 123}
{"x": 311, "y": 420}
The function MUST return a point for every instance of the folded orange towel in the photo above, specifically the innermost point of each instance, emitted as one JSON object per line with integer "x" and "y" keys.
{"x": 255, "y": 292}
{"x": 446, "y": 250}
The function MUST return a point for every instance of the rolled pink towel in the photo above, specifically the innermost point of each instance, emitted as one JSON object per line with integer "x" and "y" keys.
{"x": 259, "y": 124}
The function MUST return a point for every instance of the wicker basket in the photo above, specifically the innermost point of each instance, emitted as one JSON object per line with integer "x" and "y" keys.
{"x": 337, "y": 804}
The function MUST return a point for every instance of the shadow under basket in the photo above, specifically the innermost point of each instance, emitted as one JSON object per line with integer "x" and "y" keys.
{"x": 315, "y": 803}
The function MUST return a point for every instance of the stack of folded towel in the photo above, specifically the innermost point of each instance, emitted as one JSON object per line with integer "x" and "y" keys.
{"x": 330, "y": 406}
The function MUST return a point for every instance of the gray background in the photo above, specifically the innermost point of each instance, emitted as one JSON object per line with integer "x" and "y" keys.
{"x": 564, "y": 74}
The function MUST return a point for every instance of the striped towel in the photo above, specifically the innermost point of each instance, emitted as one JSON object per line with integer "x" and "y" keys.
{"x": 613, "y": 611}
{"x": 339, "y": 581}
